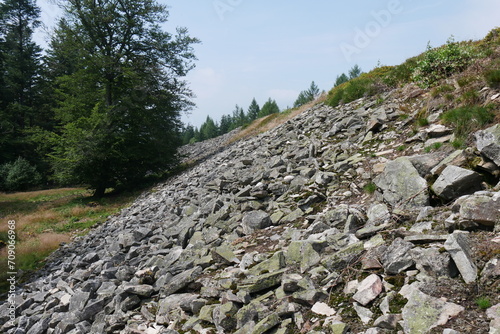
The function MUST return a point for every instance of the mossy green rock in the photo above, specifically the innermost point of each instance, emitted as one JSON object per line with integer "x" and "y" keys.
{"x": 262, "y": 282}
{"x": 266, "y": 324}
{"x": 275, "y": 263}
{"x": 423, "y": 312}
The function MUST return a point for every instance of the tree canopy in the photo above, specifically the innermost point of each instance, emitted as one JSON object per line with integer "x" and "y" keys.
{"x": 119, "y": 91}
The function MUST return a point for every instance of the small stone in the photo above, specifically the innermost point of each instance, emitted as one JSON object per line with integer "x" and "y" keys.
{"x": 363, "y": 313}
{"x": 323, "y": 309}
{"x": 368, "y": 290}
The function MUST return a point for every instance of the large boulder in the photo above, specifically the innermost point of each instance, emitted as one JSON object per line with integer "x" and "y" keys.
{"x": 255, "y": 220}
{"x": 455, "y": 182}
{"x": 423, "y": 312}
{"x": 488, "y": 143}
{"x": 481, "y": 209}
{"x": 402, "y": 185}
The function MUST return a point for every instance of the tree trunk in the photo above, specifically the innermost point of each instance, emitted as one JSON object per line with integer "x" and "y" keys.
{"x": 99, "y": 192}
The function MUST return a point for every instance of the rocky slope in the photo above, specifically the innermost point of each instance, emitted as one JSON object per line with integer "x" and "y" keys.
{"x": 338, "y": 221}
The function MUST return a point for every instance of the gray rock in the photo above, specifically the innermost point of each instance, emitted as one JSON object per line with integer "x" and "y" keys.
{"x": 488, "y": 143}
{"x": 388, "y": 321}
{"x": 455, "y": 182}
{"x": 401, "y": 184}
{"x": 378, "y": 214}
{"x": 481, "y": 209}
{"x": 262, "y": 282}
{"x": 397, "y": 257}
{"x": 255, "y": 220}
{"x": 433, "y": 262}
{"x": 181, "y": 280}
{"x": 224, "y": 317}
{"x": 363, "y": 313}
{"x": 493, "y": 313}
{"x": 458, "y": 247}
{"x": 142, "y": 290}
{"x": 426, "y": 162}
{"x": 78, "y": 301}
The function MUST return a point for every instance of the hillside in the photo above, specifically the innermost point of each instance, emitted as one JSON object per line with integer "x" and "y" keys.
{"x": 377, "y": 215}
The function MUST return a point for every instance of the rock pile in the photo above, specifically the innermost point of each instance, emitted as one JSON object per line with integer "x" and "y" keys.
{"x": 335, "y": 222}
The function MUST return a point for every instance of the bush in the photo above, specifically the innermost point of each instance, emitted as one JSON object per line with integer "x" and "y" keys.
{"x": 401, "y": 74}
{"x": 493, "y": 78}
{"x": 352, "y": 90}
{"x": 19, "y": 175}
{"x": 468, "y": 119}
{"x": 439, "y": 63}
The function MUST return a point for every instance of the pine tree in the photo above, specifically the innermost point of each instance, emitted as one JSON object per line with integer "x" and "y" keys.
{"x": 341, "y": 79}
{"x": 253, "y": 110}
{"x": 20, "y": 67}
{"x": 270, "y": 107}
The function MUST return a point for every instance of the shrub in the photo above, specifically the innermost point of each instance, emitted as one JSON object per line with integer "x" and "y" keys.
{"x": 401, "y": 74}
{"x": 493, "y": 78}
{"x": 352, "y": 90}
{"x": 436, "y": 64}
{"x": 19, "y": 175}
{"x": 468, "y": 119}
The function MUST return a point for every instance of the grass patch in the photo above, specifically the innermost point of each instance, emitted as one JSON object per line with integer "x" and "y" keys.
{"x": 439, "y": 90}
{"x": 370, "y": 188}
{"x": 483, "y": 303}
{"x": 469, "y": 119}
{"x": 433, "y": 147}
{"x": 47, "y": 218}
{"x": 493, "y": 78}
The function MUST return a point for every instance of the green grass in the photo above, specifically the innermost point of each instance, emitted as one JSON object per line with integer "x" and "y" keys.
{"x": 423, "y": 121}
{"x": 493, "y": 78}
{"x": 370, "y": 188}
{"x": 469, "y": 119}
{"x": 483, "y": 303}
{"x": 433, "y": 147}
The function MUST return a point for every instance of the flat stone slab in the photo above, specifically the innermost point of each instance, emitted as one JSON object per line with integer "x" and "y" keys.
{"x": 426, "y": 238}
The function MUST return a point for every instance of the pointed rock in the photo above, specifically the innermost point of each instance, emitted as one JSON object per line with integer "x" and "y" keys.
{"x": 458, "y": 246}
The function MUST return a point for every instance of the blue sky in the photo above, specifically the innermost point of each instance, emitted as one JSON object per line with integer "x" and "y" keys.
{"x": 262, "y": 49}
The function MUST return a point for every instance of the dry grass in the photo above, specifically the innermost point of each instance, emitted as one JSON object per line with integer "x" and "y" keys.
{"x": 44, "y": 219}
{"x": 272, "y": 121}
